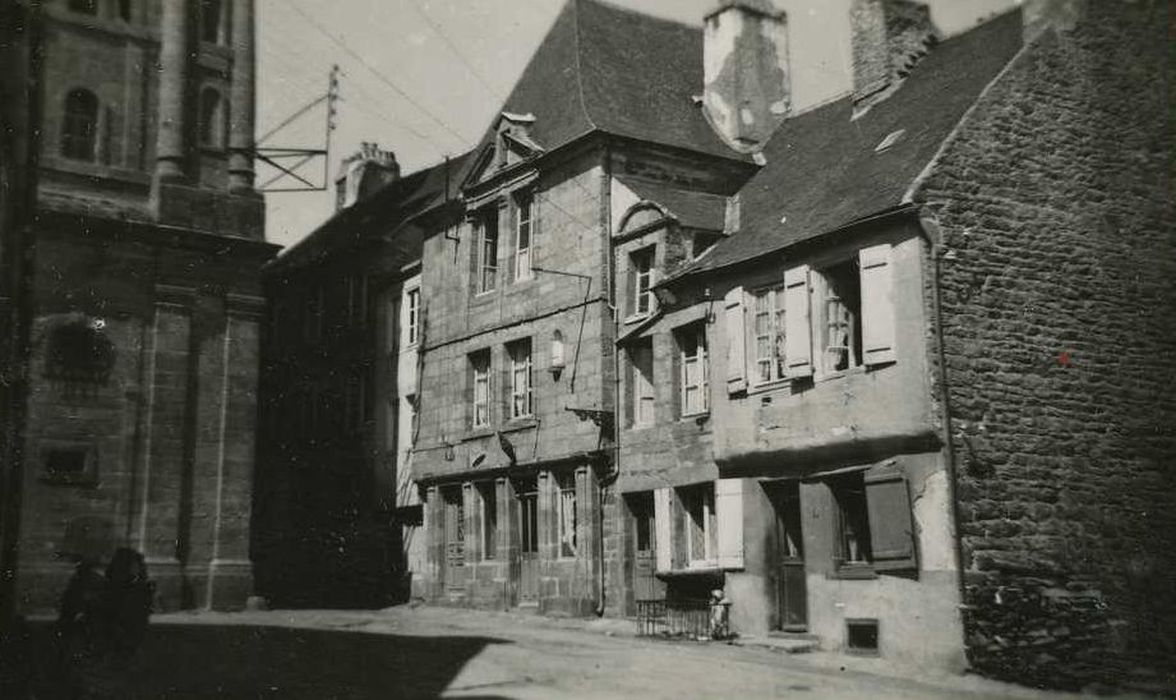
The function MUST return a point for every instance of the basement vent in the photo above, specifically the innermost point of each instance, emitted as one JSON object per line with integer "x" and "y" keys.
{"x": 862, "y": 637}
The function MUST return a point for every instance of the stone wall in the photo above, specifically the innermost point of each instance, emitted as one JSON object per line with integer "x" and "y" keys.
{"x": 1058, "y": 279}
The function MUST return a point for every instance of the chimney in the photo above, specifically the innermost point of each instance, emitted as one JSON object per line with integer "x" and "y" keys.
{"x": 889, "y": 38}
{"x": 745, "y": 64}
{"x": 363, "y": 173}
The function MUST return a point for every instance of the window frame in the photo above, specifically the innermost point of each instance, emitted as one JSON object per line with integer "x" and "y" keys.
{"x": 486, "y": 267}
{"x": 777, "y": 361}
{"x": 480, "y": 370}
{"x": 642, "y": 264}
{"x": 411, "y": 320}
{"x": 79, "y": 125}
{"x": 524, "y": 201}
{"x": 849, "y": 493}
{"x": 829, "y": 296}
{"x": 565, "y": 496}
{"x": 521, "y": 363}
{"x": 696, "y": 334}
{"x": 708, "y": 528}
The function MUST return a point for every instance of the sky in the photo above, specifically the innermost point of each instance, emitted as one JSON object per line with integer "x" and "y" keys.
{"x": 424, "y": 78}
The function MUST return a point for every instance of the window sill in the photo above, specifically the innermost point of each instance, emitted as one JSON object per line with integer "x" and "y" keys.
{"x": 854, "y": 572}
{"x": 85, "y": 481}
{"x": 635, "y": 318}
{"x": 775, "y": 385}
{"x": 476, "y": 433}
{"x": 829, "y": 376}
{"x": 700, "y": 417}
{"x": 483, "y": 297}
{"x": 710, "y": 572}
{"x": 520, "y": 423}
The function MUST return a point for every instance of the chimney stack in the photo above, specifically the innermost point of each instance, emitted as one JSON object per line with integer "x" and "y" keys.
{"x": 747, "y": 89}
{"x": 889, "y": 38}
{"x": 363, "y": 173}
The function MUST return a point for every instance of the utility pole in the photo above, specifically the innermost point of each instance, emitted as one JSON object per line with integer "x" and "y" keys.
{"x": 20, "y": 104}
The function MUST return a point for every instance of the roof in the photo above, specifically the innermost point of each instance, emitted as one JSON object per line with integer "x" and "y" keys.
{"x": 383, "y": 210}
{"x": 823, "y": 171}
{"x": 700, "y": 210}
{"x": 611, "y": 69}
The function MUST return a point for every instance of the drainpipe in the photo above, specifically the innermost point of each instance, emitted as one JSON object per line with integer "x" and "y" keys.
{"x": 610, "y": 303}
{"x": 929, "y": 228}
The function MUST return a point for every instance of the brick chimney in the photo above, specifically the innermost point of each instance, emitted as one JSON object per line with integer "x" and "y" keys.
{"x": 745, "y": 64}
{"x": 889, "y": 38}
{"x": 363, "y": 173}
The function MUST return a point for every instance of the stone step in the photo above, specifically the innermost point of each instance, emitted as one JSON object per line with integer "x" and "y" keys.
{"x": 792, "y": 644}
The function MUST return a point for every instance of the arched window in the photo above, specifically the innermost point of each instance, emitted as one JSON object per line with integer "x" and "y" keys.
{"x": 80, "y": 125}
{"x": 212, "y": 119}
{"x": 210, "y": 21}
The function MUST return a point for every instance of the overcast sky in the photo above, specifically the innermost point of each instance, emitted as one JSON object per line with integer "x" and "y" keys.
{"x": 423, "y": 78}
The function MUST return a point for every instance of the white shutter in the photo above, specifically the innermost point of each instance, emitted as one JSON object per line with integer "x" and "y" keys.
{"x": 736, "y": 347}
{"x": 798, "y": 345}
{"x": 877, "y": 304}
{"x": 663, "y": 528}
{"x": 729, "y": 514}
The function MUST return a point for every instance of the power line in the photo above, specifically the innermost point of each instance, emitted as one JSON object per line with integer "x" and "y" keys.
{"x": 453, "y": 47}
{"x": 384, "y": 79}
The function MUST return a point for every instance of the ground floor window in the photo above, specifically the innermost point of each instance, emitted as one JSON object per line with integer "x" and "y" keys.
{"x": 566, "y": 514}
{"x": 487, "y": 494}
{"x": 700, "y": 528}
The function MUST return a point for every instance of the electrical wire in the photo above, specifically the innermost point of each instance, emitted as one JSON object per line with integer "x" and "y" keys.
{"x": 453, "y": 47}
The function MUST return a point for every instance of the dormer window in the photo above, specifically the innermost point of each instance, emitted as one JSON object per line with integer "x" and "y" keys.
{"x": 80, "y": 125}
{"x": 487, "y": 249}
{"x": 641, "y": 266}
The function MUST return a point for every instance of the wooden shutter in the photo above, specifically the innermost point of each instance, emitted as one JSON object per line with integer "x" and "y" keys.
{"x": 877, "y": 304}
{"x": 663, "y": 527}
{"x": 798, "y": 345}
{"x": 892, "y": 534}
{"x": 729, "y": 512}
{"x": 736, "y": 344}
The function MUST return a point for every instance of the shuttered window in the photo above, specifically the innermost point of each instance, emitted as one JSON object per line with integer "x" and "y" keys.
{"x": 892, "y": 535}
{"x": 695, "y": 370}
{"x": 663, "y": 509}
{"x": 641, "y": 263}
{"x": 641, "y": 356}
{"x": 729, "y": 512}
{"x": 877, "y": 293}
{"x": 700, "y": 525}
{"x": 768, "y": 334}
{"x": 487, "y": 267}
{"x": 798, "y": 351}
{"x": 524, "y": 206}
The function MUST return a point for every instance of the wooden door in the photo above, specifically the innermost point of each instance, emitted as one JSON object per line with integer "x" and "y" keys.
{"x": 646, "y": 585}
{"x": 454, "y": 540}
{"x": 528, "y": 496}
{"x": 791, "y": 589}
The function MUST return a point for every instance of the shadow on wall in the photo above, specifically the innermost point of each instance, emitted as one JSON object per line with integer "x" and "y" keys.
{"x": 199, "y": 661}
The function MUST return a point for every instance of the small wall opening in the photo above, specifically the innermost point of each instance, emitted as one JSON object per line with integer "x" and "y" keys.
{"x": 861, "y": 637}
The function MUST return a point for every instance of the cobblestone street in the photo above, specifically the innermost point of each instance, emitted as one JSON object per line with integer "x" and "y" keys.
{"x": 429, "y": 652}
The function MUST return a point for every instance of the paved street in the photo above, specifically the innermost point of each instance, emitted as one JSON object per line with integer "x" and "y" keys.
{"x": 427, "y": 652}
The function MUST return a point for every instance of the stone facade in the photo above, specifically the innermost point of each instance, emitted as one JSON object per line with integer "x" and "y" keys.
{"x": 1056, "y": 284}
{"x": 146, "y": 302}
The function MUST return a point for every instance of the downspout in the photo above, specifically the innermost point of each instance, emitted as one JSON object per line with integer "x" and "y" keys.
{"x": 610, "y": 303}
{"x": 929, "y": 228}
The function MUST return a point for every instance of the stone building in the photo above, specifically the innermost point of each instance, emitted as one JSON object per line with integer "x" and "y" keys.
{"x": 335, "y": 511}
{"x": 145, "y": 297}
{"x": 690, "y": 325}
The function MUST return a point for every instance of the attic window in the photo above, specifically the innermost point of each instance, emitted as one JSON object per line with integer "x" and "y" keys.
{"x": 891, "y": 139}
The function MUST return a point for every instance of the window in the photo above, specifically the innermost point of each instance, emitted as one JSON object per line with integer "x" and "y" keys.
{"x": 210, "y": 21}
{"x": 69, "y": 464}
{"x": 768, "y": 328}
{"x": 480, "y": 368}
{"x": 520, "y": 378}
{"x": 694, "y": 379}
{"x": 641, "y": 357}
{"x": 701, "y": 527}
{"x": 566, "y": 514}
{"x": 86, "y": 7}
{"x": 641, "y": 265}
{"x": 212, "y": 119}
{"x": 853, "y": 521}
{"x": 524, "y": 228}
{"x": 840, "y": 333}
{"x": 80, "y": 125}
{"x": 124, "y": 10}
{"x": 412, "y": 314}
{"x": 487, "y": 494}
{"x": 487, "y": 225}
{"x": 861, "y": 636}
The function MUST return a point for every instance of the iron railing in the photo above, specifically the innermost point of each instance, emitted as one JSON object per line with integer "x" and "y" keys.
{"x": 688, "y": 618}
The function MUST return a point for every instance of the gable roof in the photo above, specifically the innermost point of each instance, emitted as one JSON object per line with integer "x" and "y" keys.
{"x": 823, "y": 171}
{"x": 619, "y": 71}
{"x": 383, "y": 211}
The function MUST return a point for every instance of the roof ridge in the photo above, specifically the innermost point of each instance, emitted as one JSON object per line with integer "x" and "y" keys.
{"x": 593, "y": 126}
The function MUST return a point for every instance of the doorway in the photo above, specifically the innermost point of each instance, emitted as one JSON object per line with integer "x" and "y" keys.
{"x": 454, "y": 562}
{"x": 528, "y": 497}
{"x": 646, "y": 585}
{"x": 788, "y": 557}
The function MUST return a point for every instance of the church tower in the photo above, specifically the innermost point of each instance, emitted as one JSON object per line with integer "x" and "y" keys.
{"x": 149, "y": 241}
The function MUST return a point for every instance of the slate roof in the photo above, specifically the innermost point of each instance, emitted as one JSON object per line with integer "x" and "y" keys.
{"x": 382, "y": 211}
{"x": 700, "y": 210}
{"x": 615, "y": 70}
{"x": 822, "y": 169}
